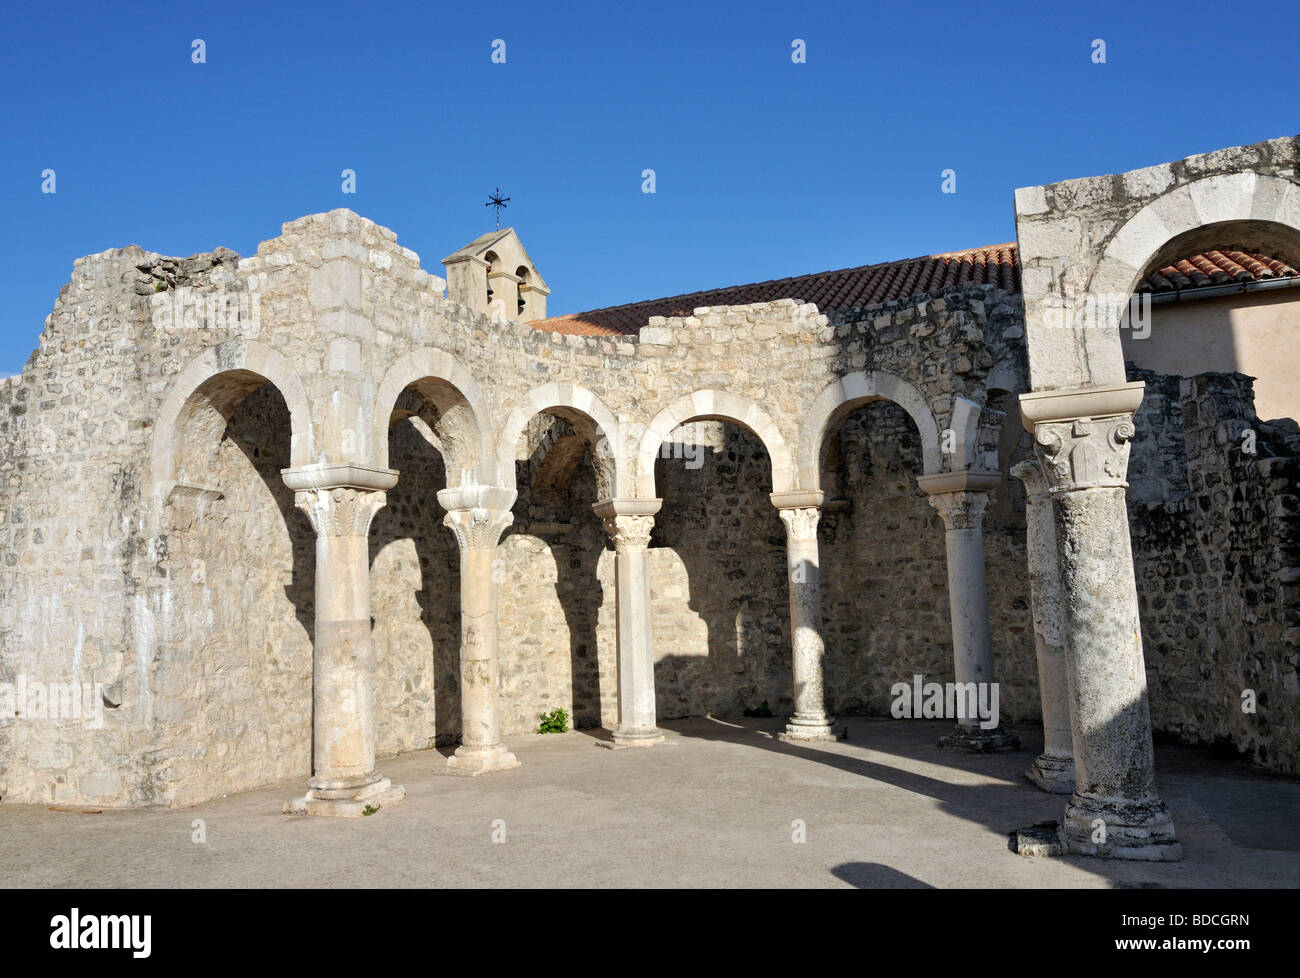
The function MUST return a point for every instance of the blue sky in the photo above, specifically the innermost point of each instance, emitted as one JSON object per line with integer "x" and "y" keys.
{"x": 764, "y": 168}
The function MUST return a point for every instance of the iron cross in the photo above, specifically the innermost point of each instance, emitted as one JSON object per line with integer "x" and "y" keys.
{"x": 497, "y": 201}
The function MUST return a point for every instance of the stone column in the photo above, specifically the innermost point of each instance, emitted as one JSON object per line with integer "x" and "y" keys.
{"x": 629, "y": 522}
{"x": 800, "y": 512}
{"x": 961, "y": 498}
{"x": 341, "y": 500}
{"x": 1081, "y": 438}
{"x": 1053, "y": 769}
{"x": 478, "y": 515}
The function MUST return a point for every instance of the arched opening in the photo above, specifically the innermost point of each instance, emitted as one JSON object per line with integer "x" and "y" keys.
{"x": 1210, "y": 331}
{"x": 433, "y": 440}
{"x": 522, "y": 274}
{"x": 233, "y": 683}
{"x": 557, "y": 623}
{"x": 718, "y": 574}
{"x": 883, "y": 564}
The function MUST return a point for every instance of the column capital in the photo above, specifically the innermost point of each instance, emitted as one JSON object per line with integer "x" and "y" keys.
{"x": 1031, "y": 474}
{"x": 961, "y": 510}
{"x": 478, "y": 515}
{"x": 340, "y": 511}
{"x": 1086, "y": 453}
{"x": 800, "y": 522}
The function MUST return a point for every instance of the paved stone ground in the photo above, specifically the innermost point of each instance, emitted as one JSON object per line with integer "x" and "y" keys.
{"x": 712, "y": 807}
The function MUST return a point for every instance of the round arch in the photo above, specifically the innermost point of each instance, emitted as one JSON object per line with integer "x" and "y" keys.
{"x": 570, "y": 397}
{"x": 1256, "y": 209}
{"x": 849, "y": 392}
{"x": 218, "y": 378}
{"x": 436, "y": 365}
{"x": 712, "y": 405}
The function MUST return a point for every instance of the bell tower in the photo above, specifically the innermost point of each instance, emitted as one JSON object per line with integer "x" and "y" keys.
{"x": 494, "y": 275}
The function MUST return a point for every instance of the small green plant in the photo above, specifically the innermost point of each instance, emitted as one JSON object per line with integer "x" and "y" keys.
{"x": 557, "y": 721}
{"x": 160, "y": 286}
{"x": 371, "y": 809}
{"x": 763, "y": 711}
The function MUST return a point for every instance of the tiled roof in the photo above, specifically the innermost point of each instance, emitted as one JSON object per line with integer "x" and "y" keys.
{"x": 849, "y": 288}
{"x": 846, "y": 288}
{"x": 1215, "y": 268}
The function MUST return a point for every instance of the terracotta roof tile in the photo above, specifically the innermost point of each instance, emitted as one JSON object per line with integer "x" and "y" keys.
{"x": 1216, "y": 267}
{"x": 865, "y": 285}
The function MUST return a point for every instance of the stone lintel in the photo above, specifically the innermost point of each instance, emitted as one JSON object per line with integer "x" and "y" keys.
{"x": 339, "y": 475}
{"x": 968, "y": 480}
{"x": 798, "y": 499}
{"x": 1073, "y": 403}
{"x": 609, "y": 508}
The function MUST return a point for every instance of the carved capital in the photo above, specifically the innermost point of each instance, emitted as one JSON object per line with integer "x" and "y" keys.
{"x": 1086, "y": 453}
{"x": 630, "y": 533}
{"x": 341, "y": 511}
{"x": 961, "y": 510}
{"x": 1031, "y": 474}
{"x": 800, "y": 522}
{"x": 478, "y": 528}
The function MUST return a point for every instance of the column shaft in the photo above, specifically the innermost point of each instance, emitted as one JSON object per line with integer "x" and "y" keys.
{"x": 478, "y": 515}
{"x": 343, "y": 781}
{"x": 800, "y": 512}
{"x": 1053, "y": 769}
{"x": 1115, "y": 809}
{"x": 961, "y": 499}
{"x": 629, "y": 523}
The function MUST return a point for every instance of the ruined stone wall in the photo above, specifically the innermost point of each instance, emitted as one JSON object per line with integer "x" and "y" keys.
{"x": 1215, "y": 539}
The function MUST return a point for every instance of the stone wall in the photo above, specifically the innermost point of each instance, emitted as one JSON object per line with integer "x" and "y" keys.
{"x": 1216, "y": 541}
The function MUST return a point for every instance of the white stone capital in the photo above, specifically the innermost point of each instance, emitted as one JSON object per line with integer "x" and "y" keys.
{"x": 342, "y": 511}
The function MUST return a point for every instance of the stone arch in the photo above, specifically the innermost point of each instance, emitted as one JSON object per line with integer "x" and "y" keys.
{"x": 713, "y": 405}
{"x": 443, "y": 382}
{"x": 209, "y": 388}
{"x": 578, "y": 406}
{"x": 1256, "y": 210}
{"x": 853, "y": 390}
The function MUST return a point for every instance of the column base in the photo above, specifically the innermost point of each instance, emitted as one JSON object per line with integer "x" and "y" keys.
{"x": 624, "y": 737}
{"x": 1052, "y": 774}
{"x": 1133, "y": 830}
{"x": 343, "y": 800}
{"x": 473, "y": 761}
{"x": 1041, "y": 839}
{"x": 802, "y": 729}
{"x": 975, "y": 740}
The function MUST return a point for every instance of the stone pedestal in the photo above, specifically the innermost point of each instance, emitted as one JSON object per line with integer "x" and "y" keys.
{"x": 1081, "y": 438}
{"x": 1053, "y": 769}
{"x": 340, "y": 501}
{"x": 629, "y": 522}
{"x": 961, "y": 498}
{"x": 478, "y": 515}
{"x": 800, "y": 512}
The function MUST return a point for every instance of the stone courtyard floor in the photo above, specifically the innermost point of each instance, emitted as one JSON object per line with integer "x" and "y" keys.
{"x": 715, "y": 806}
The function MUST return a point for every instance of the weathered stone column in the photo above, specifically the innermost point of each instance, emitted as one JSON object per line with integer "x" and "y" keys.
{"x": 961, "y": 498}
{"x": 629, "y": 522}
{"x": 341, "y": 500}
{"x": 478, "y": 515}
{"x": 1053, "y": 769}
{"x": 800, "y": 512}
{"x": 1082, "y": 439}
